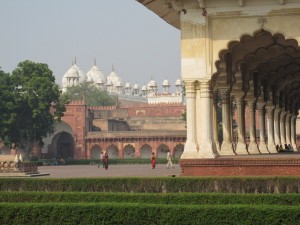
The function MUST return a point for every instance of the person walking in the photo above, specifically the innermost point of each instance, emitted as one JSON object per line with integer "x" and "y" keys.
{"x": 101, "y": 160}
{"x": 153, "y": 160}
{"x": 105, "y": 160}
{"x": 169, "y": 159}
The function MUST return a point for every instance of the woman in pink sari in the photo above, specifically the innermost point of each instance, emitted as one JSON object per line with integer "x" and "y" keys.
{"x": 153, "y": 160}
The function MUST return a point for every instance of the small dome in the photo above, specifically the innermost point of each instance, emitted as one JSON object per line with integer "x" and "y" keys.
{"x": 178, "y": 82}
{"x": 136, "y": 86}
{"x": 127, "y": 85}
{"x": 113, "y": 76}
{"x": 95, "y": 75}
{"x": 166, "y": 83}
{"x": 72, "y": 72}
{"x": 144, "y": 88}
{"x": 66, "y": 75}
{"x": 152, "y": 83}
{"x": 81, "y": 74}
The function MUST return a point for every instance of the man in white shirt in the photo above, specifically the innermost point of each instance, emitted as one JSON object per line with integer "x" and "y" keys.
{"x": 169, "y": 159}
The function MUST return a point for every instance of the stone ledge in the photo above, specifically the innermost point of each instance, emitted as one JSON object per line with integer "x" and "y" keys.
{"x": 240, "y": 167}
{"x": 20, "y": 174}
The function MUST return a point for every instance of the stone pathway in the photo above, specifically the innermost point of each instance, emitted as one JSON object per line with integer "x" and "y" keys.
{"x": 72, "y": 171}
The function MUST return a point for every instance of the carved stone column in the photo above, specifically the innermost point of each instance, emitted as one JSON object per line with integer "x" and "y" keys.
{"x": 252, "y": 148}
{"x": 282, "y": 127}
{"x": 226, "y": 147}
{"x": 262, "y": 144}
{"x": 276, "y": 126}
{"x": 270, "y": 126}
{"x": 293, "y": 132}
{"x": 241, "y": 147}
{"x": 190, "y": 147}
{"x": 215, "y": 120}
{"x": 207, "y": 149}
{"x": 288, "y": 128}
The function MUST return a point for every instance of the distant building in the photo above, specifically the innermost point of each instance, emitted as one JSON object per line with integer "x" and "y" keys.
{"x": 113, "y": 84}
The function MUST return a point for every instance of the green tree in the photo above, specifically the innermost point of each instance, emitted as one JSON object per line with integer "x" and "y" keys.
{"x": 33, "y": 104}
{"x": 93, "y": 95}
{"x": 8, "y": 108}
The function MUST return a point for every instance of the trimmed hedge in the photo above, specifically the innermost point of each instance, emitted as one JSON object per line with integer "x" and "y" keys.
{"x": 167, "y": 199}
{"x": 128, "y": 213}
{"x": 156, "y": 184}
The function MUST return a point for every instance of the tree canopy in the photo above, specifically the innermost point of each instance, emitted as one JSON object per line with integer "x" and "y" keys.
{"x": 30, "y": 103}
{"x": 93, "y": 95}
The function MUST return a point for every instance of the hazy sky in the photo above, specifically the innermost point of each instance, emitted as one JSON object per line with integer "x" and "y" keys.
{"x": 122, "y": 33}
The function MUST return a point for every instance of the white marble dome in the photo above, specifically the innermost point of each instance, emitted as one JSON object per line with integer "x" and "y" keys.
{"x": 135, "y": 86}
{"x": 178, "y": 82}
{"x": 152, "y": 83}
{"x": 114, "y": 78}
{"x": 166, "y": 83}
{"x": 127, "y": 85}
{"x": 144, "y": 88}
{"x": 95, "y": 75}
{"x": 72, "y": 72}
{"x": 82, "y": 75}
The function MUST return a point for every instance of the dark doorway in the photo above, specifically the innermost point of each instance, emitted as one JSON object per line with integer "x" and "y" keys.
{"x": 64, "y": 146}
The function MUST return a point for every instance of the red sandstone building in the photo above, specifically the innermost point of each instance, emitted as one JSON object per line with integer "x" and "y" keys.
{"x": 123, "y": 132}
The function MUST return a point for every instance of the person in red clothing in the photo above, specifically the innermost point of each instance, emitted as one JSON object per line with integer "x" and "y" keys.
{"x": 153, "y": 160}
{"x": 105, "y": 160}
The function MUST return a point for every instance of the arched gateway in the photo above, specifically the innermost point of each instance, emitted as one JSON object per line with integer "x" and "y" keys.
{"x": 245, "y": 52}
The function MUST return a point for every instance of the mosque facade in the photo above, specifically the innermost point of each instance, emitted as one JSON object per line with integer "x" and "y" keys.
{"x": 114, "y": 85}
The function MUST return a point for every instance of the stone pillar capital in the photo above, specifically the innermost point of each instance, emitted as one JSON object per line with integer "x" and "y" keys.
{"x": 282, "y": 115}
{"x": 260, "y": 105}
{"x": 239, "y": 96}
{"x": 277, "y": 111}
{"x": 205, "y": 89}
{"x": 251, "y": 104}
{"x": 215, "y": 94}
{"x": 224, "y": 95}
{"x": 189, "y": 86}
{"x": 261, "y": 111}
{"x": 190, "y": 89}
{"x": 270, "y": 111}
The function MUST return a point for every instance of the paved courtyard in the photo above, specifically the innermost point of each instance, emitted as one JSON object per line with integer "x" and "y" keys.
{"x": 72, "y": 171}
